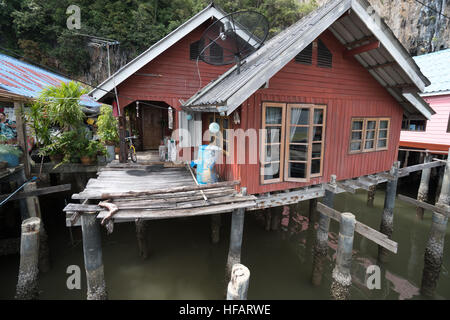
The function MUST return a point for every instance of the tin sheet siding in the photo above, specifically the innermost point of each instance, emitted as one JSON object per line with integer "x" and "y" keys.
{"x": 349, "y": 91}
{"x": 179, "y": 77}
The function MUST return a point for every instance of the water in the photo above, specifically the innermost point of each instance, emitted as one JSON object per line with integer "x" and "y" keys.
{"x": 183, "y": 264}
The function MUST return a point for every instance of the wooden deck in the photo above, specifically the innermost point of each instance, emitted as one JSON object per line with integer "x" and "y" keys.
{"x": 154, "y": 192}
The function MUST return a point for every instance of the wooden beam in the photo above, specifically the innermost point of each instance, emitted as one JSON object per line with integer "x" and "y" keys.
{"x": 286, "y": 198}
{"x": 361, "y": 49}
{"x": 362, "y": 229}
{"x": 441, "y": 209}
{"x": 346, "y": 187}
{"x": 37, "y": 192}
{"x": 360, "y": 41}
{"x": 418, "y": 167}
{"x": 64, "y": 168}
{"x": 382, "y": 65}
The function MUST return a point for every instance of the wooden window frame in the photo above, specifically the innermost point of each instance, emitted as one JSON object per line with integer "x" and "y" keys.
{"x": 364, "y": 131}
{"x": 264, "y": 143}
{"x": 285, "y": 141}
{"x": 388, "y": 131}
{"x": 408, "y": 121}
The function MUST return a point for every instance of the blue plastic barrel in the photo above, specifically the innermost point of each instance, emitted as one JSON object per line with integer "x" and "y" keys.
{"x": 206, "y": 172}
{"x": 13, "y": 160}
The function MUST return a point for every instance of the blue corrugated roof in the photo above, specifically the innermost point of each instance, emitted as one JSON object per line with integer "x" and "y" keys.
{"x": 436, "y": 67}
{"x": 28, "y": 80}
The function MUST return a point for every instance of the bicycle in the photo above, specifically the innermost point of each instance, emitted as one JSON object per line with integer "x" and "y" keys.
{"x": 131, "y": 148}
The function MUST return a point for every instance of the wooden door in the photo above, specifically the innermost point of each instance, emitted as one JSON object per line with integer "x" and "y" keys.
{"x": 151, "y": 127}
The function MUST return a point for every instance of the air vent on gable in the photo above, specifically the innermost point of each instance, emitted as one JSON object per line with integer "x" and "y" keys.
{"x": 305, "y": 57}
{"x": 216, "y": 53}
{"x": 324, "y": 56}
{"x": 193, "y": 50}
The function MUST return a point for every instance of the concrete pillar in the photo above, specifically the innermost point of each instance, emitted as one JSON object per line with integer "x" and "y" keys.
{"x": 238, "y": 285}
{"x": 215, "y": 228}
{"x": 434, "y": 251}
{"x": 422, "y": 194}
{"x": 387, "y": 219}
{"x": 321, "y": 245}
{"x": 27, "y": 283}
{"x": 92, "y": 247}
{"x": 371, "y": 195}
{"x": 142, "y": 237}
{"x": 342, "y": 279}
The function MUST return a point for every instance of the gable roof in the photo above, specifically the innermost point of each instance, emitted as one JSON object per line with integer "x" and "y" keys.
{"x": 26, "y": 80}
{"x": 394, "y": 67}
{"x": 155, "y": 50}
{"x": 436, "y": 66}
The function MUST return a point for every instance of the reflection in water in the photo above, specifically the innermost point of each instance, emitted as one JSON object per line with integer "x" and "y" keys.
{"x": 183, "y": 264}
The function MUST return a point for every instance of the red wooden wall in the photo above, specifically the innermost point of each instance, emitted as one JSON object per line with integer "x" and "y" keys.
{"x": 179, "y": 77}
{"x": 349, "y": 91}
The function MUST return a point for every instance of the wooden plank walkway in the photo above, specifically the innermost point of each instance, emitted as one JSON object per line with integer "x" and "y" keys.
{"x": 153, "y": 191}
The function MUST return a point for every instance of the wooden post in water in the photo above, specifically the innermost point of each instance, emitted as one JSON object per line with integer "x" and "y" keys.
{"x": 434, "y": 251}
{"x": 215, "y": 228}
{"x": 387, "y": 219}
{"x": 238, "y": 285}
{"x": 441, "y": 171}
{"x": 268, "y": 218}
{"x": 123, "y": 152}
{"x": 312, "y": 211}
{"x": 92, "y": 247}
{"x": 34, "y": 210}
{"x": 27, "y": 283}
{"x": 321, "y": 245}
{"x": 276, "y": 218}
{"x": 342, "y": 279}
{"x": 141, "y": 235}
{"x": 237, "y": 229}
{"x": 422, "y": 195}
{"x": 371, "y": 195}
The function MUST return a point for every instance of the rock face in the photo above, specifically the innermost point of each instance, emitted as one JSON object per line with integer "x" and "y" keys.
{"x": 421, "y": 28}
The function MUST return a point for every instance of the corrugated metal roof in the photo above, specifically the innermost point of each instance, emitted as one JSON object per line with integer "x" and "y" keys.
{"x": 390, "y": 64}
{"x": 436, "y": 66}
{"x": 24, "y": 79}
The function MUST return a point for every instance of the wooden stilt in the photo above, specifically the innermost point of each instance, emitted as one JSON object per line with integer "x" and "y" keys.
{"x": 342, "y": 279}
{"x": 312, "y": 211}
{"x": 238, "y": 285}
{"x": 371, "y": 195}
{"x": 34, "y": 210}
{"x": 441, "y": 171}
{"x": 405, "y": 163}
{"x": 27, "y": 284}
{"x": 422, "y": 194}
{"x": 215, "y": 228}
{"x": 321, "y": 245}
{"x": 268, "y": 216}
{"x": 92, "y": 247}
{"x": 434, "y": 252}
{"x": 285, "y": 218}
{"x": 387, "y": 220}
{"x": 237, "y": 230}
{"x": 276, "y": 218}
{"x": 142, "y": 235}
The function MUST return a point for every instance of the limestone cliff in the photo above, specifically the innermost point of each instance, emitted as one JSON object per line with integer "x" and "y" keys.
{"x": 420, "y": 25}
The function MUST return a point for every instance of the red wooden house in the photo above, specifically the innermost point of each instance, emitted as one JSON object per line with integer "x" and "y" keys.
{"x": 331, "y": 91}
{"x": 162, "y": 77}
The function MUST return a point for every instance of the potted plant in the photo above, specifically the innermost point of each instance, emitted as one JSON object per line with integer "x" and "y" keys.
{"x": 107, "y": 130}
{"x": 93, "y": 149}
{"x": 54, "y": 151}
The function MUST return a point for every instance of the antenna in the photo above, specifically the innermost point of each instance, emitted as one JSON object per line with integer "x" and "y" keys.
{"x": 233, "y": 38}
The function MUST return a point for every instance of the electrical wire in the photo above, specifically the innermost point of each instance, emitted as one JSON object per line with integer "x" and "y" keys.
{"x": 17, "y": 190}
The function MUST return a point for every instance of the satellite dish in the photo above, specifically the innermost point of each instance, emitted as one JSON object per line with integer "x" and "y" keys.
{"x": 233, "y": 38}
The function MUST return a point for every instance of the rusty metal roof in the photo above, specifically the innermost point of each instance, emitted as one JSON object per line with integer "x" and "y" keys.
{"x": 354, "y": 24}
{"x": 27, "y": 80}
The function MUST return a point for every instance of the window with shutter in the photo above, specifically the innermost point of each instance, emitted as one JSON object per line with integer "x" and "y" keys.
{"x": 324, "y": 56}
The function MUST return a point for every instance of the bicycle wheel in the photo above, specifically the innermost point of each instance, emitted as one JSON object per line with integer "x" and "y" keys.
{"x": 133, "y": 156}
